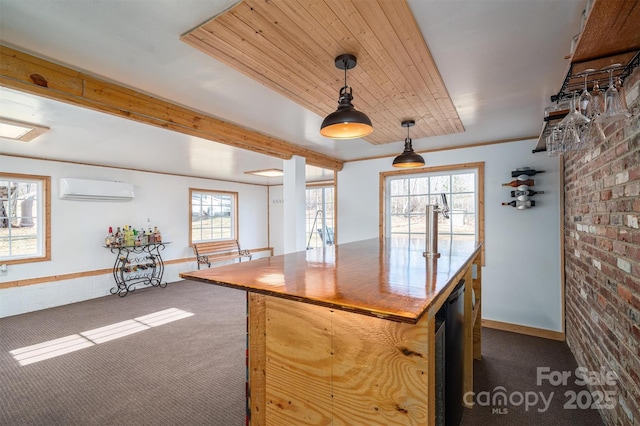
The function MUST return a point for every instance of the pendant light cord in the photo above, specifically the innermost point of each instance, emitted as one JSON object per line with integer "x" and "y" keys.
{"x": 344, "y": 61}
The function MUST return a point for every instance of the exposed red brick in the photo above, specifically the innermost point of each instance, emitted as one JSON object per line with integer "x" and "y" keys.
{"x": 635, "y": 301}
{"x": 605, "y": 195}
{"x": 600, "y": 196}
{"x": 625, "y": 293}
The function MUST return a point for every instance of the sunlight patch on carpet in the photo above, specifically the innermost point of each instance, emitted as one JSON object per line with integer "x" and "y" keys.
{"x": 64, "y": 345}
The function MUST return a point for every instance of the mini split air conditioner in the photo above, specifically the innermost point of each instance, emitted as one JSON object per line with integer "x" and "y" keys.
{"x": 95, "y": 190}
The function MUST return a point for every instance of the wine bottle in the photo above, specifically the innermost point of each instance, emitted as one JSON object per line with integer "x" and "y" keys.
{"x": 118, "y": 238}
{"x": 527, "y": 192}
{"x": 108, "y": 241}
{"x": 516, "y": 183}
{"x": 521, "y": 204}
{"x": 527, "y": 172}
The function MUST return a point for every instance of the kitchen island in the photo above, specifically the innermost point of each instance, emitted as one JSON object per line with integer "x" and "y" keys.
{"x": 345, "y": 335}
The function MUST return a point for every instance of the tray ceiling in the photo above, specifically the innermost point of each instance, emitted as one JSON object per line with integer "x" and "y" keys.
{"x": 290, "y": 46}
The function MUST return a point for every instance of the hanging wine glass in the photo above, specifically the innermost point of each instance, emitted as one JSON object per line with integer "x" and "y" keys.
{"x": 594, "y": 134}
{"x": 571, "y": 138}
{"x": 585, "y": 98}
{"x": 596, "y": 107}
{"x": 553, "y": 142}
{"x": 622, "y": 97}
{"x": 612, "y": 111}
{"x": 574, "y": 116}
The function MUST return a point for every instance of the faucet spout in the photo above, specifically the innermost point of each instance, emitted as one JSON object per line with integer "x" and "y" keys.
{"x": 431, "y": 228}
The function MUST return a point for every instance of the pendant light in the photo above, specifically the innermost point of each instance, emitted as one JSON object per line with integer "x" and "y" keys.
{"x": 346, "y": 122}
{"x": 408, "y": 158}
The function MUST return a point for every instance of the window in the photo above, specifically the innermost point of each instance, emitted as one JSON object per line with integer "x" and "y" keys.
{"x": 24, "y": 218}
{"x": 213, "y": 215}
{"x": 407, "y": 193}
{"x": 319, "y": 216}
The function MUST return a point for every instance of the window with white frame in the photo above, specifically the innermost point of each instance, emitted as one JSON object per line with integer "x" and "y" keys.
{"x": 213, "y": 215}
{"x": 408, "y": 193}
{"x": 24, "y": 218}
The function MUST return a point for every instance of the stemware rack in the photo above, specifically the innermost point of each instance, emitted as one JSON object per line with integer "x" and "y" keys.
{"x": 609, "y": 36}
{"x": 574, "y": 80}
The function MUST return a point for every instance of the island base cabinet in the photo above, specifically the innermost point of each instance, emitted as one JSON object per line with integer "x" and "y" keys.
{"x": 313, "y": 365}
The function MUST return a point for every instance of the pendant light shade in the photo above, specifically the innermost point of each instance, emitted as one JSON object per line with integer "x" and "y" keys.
{"x": 408, "y": 158}
{"x": 346, "y": 122}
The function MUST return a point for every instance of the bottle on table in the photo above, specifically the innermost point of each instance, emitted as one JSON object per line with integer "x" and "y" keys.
{"x": 128, "y": 236}
{"x": 157, "y": 236}
{"x": 108, "y": 241}
{"x": 117, "y": 239}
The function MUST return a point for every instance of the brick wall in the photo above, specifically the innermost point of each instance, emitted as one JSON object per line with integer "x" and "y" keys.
{"x": 602, "y": 259}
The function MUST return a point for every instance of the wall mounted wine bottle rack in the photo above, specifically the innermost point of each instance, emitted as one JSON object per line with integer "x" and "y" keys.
{"x": 522, "y": 191}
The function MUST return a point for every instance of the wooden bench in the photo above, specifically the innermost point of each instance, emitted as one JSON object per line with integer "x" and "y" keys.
{"x": 217, "y": 251}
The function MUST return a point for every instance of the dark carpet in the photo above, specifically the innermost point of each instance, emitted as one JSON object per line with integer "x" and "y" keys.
{"x": 509, "y": 366}
{"x": 187, "y": 372}
{"x": 192, "y": 371}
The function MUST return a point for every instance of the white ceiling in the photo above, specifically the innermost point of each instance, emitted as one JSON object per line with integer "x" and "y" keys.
{"x": 500, "y": 61}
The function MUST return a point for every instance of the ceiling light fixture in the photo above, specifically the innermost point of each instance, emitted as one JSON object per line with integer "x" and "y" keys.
{"x": 20, "y": 131}
{"x": 408, "y": 158}
{"x": 346, "y": 122}
{"x": 267, "y": 173}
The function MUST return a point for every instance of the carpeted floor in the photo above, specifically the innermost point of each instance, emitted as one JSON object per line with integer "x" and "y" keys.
{"x": 186, "y": 372}
{"x": 191, "y": 371}
{"x": 511, "y": 361}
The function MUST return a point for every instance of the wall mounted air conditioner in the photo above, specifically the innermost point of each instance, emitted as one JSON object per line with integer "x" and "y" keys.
{"x": 95, "y": 190}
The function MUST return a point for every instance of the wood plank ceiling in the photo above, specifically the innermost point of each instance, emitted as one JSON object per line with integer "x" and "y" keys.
{"x": 290, "y": 46}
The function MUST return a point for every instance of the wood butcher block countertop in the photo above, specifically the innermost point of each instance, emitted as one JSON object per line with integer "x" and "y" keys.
{"x": 384, "y": 278}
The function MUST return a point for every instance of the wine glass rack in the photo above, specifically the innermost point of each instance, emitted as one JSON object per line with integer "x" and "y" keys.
{"x": 610, "y": 36}
{"x": 137, "y": 266}
{"x": 574, "y": 80}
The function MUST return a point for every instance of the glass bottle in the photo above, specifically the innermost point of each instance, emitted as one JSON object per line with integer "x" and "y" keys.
{"x": 516, "y": 183}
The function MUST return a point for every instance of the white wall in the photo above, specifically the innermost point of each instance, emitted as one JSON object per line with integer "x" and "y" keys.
{"x": 78, "y": 229}
{"x": 276, "y": 219}
{"x": 521, "y": 279}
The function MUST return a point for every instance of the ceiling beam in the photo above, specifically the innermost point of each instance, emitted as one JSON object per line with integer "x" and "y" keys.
{"x": 27, "y": 73}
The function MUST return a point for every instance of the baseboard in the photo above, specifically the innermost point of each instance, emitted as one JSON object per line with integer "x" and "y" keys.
{"x": 523, "y": 329}
{"x": 73, "y": 275}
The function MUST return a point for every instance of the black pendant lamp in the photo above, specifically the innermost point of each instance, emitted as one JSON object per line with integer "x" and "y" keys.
{"x": 408, "y": 158}
{"x": 346, "y": 122}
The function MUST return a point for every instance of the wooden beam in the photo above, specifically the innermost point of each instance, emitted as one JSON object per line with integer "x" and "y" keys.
{"x": 27, "y": 73}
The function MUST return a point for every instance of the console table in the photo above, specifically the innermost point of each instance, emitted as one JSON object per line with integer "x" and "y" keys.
{"x": 137, "y": 265}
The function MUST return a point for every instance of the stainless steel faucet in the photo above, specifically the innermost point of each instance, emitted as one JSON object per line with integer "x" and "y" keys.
{"x": 432, "y": 225}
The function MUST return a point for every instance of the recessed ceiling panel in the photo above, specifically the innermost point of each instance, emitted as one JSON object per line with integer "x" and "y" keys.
{"x": 290, "y": 46}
